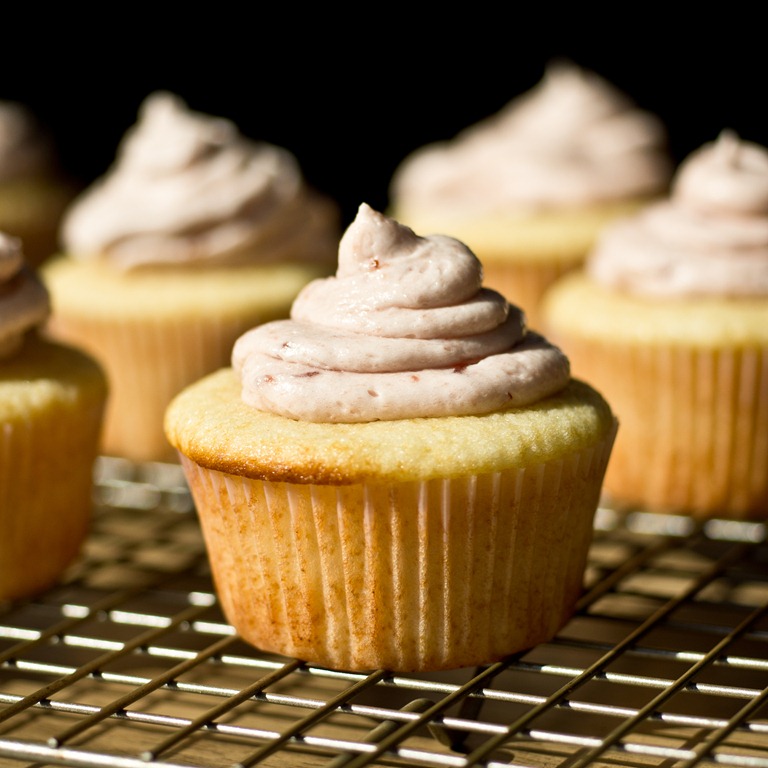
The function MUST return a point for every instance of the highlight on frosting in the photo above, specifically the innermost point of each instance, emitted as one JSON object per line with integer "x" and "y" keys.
{"x": 189, "y": 189}
{"x": 709, "y": 238}
{"x": 24, "y": 301}
{"x": 25, "y": 150}
{"x": 574, "y": 139}
{"x": 404, "y": 330}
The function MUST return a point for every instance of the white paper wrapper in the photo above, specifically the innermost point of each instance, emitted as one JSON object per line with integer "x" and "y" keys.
{"x": 47, "y": 449}
{"x": 148, "y": 362}
{"x": 156, "y": 331}
{"x": 694, "y": 425}
{"x": 525, "y": 283}
{"x": 409, "y": 576}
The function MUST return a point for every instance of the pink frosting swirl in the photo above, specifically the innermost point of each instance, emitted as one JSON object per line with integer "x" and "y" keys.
{"x": 188, "y": 189}
{"x": 572, "y": 140}
{"x": 403, "y": 330}
{"x": 24, "y": 301}
{"x": 709, "y": 238}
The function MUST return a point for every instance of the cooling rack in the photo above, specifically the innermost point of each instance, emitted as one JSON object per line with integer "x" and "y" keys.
{"x": 129, "y": 661}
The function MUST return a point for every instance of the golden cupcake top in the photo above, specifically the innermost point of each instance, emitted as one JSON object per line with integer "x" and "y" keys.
{"x": 210, "y": 424}
{"x": 188, "y": 190}
{"x": 573, "y": 140}
{"x": 24, "y": 302}
{"x": 709, "y": 238}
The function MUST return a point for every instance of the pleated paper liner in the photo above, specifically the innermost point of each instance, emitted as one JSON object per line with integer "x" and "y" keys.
{"x": 157, "y": 330}
{"x": 148, "y": 362}
{"x": 48, "y": 443}
{"x": 409, "y": 576}
{"x": 694, "y": 425}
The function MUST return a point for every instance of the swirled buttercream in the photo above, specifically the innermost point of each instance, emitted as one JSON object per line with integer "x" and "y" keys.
{"x": 24, "y": 149}
{"x": 189, "y": 189}
{"x": 572, "y": 140}
{"x": 709, "y": 238}
{"x": 405, "y": 329}
{"x": 23, "y": 299}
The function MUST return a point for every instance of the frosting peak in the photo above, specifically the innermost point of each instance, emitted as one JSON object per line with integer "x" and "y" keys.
{"x": 403, "y": 330}
{"x": 727, "y": 176}
{"x": 709, "y": 238}
{"x": 23, "y": 299}
{"x": 587, "y": 98}
{"x": 404, "y": 268}
{"x": 189, "y": 189}
{"x": 574, "y": 139}
{"x": 168, "y": 136}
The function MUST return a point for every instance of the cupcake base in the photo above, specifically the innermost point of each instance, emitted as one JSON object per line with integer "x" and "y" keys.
{"x": 411, "y": 545}
{"x": 525, "y": 283}
{"x": 51, "y": 402}
{"x": 694, "y": 434}
{"x": 405, "y": 576}
{"x": 688, "y": 380}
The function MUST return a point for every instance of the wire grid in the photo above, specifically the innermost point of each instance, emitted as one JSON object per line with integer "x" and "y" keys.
{"x": 130, "y": 661}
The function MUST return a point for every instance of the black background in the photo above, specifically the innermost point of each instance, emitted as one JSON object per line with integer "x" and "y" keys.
{"x": 351, "y": 93}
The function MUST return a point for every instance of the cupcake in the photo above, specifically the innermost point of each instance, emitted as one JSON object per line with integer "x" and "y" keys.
{"x": 400, "y": 476}
{"x": 530, "y": 188}
{"x": 670, "y": 321}
{"x": 33, "y": 191}
{"x": 196, "y": 235}
{"x": 51, "y": 401}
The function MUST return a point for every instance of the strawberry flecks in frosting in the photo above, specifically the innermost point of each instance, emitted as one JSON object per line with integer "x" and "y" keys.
{"x": 710, "y": 238}
{"x": 572, "y": 140}
{"x": 413, "y": 336}
{"x": 24, "y": 301}
{"x": 188, "y": 189}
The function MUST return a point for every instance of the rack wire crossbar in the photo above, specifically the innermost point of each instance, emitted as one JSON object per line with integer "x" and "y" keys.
{"x": 129, "y": 661}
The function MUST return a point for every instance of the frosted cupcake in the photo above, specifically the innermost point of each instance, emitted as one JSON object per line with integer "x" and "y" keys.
{"x": 195, "y": 235}
{"x": 401, "y": 475}
{"x": 33, "y": 192}
{"x": 51, "y": 401}
{"x": 530, "y": 188}
{"x": 670, "y": 321}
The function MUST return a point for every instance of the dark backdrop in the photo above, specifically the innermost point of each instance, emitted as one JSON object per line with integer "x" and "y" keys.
{"x": 352, "y": 93}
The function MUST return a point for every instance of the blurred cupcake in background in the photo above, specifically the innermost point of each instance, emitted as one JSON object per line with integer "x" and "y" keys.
{"x": 51, "y": 403}
{"x": 670, "y": 322}
{"x": 195, "y": 235}
{"x": 530, "y": 188}
{"x": 33, "y": 190}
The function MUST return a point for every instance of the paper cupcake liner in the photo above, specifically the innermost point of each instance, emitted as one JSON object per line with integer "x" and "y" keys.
{"x": 694, "y": 426}
{"x": 46, "y": 463}
{"x": 148, "y": 362}
{"x": 408, "y": 576}
{"x": 524, "y": 284}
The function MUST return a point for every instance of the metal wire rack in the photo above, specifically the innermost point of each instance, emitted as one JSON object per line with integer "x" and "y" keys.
{"x": 129, "y": 661}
